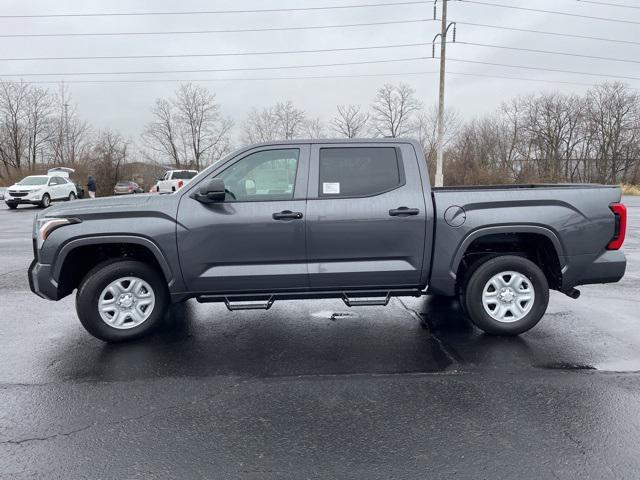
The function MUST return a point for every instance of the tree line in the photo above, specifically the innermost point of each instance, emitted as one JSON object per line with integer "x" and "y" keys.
{"x": 542, "y": 137}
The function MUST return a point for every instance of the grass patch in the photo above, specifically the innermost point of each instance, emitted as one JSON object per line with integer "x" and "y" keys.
{"x": 630, "y": 189}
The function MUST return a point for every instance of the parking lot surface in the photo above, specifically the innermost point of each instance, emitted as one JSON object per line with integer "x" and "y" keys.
{"x": 312, "y": 389}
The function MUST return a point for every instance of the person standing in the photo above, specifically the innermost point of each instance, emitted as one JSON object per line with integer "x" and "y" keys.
{"x": 91, "y": 187}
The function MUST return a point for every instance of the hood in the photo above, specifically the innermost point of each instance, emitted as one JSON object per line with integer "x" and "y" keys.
{"x": 111, "y": 206}
{"x": 25, "y": 188}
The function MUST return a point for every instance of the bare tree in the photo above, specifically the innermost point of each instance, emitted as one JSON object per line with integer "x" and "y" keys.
{"x": 394, "y": 111}
{"x": 40, "y": 124}
{"x": 282, "y": 121}
{"x": 189, "y": 129}
{"x": 613, "y": 111}
{"x": 161, "y": 135}
{"x": 314, "y": 128}
{"x": 203, "y": 127}
{"x": 427, "y": 130}
{"x": 69, "y": 140}
{"x": 13, "y": 118}
{"x": 289, "y": 120}
{"x": 350, "y": 122}
{"x": 260, "y": 126}
{"x": 108, "y": 157}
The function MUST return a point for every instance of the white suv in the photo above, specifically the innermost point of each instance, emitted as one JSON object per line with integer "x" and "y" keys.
{"x": 40, "y": 190}
{"x": 174, "y": 180}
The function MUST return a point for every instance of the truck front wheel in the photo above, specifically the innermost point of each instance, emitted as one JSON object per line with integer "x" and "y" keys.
{"x": 121, "y": 300}
{"x": 506, "y": 295}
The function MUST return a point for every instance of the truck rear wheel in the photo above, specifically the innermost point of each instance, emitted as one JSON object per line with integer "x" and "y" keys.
{"x": 121, "y": 300}
{"x": 506, "y": 295}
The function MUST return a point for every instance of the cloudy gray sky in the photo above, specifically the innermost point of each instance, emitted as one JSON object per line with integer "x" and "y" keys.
{"x": 125, "y": 106}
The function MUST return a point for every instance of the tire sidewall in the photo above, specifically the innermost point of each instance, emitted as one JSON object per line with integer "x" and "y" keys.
{"x": 478, "y": 280}
{"x": 44, "y": 203}
{"x": 72, "y": 196}
{"x": 95, "y": 282}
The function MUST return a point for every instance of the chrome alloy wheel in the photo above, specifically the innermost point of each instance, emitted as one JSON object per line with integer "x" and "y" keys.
{"x": 508, "y": 297}
{"x": 126, "y": 303}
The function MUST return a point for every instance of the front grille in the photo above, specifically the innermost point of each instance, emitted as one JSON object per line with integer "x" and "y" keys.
{"x": 18, "y": 194}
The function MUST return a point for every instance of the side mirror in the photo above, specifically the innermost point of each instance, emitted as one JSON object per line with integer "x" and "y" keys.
{"x": 212, "y": 191}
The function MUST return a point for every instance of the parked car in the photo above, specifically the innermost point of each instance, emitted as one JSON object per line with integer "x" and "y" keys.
{"x": 2, "y": 191}
{"x": 79, "y": 189}
{"x": 174, "y": 180}
{"x": 354, "y": 219}
{"x": 41, "y": 189}
{"x": 127, "y": 187}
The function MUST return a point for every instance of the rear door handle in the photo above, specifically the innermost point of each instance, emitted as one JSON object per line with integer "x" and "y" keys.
{"x": 287, "y": 215}
{"x": 404, "y": 212}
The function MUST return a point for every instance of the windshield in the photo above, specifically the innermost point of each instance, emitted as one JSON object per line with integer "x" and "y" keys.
{"x": 34, "y": 181}
{"x": 122, "y": 184}
{"x": 183, "y": 175}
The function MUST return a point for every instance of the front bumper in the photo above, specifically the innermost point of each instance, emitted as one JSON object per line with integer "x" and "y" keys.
{"x": 41, "y": 281}
{"x": 21, "y": 201}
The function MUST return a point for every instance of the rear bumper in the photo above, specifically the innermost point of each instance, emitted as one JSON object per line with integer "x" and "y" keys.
{"x": 609, "y": 267}
{"x": 41, "y": 281}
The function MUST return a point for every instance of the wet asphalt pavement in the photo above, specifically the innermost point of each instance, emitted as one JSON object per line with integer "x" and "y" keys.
{"x": 312, "y": 389}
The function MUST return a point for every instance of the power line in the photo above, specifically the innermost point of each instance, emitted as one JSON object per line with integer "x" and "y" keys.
{"x": 543, "y": 32}
{"x": 214, "y": 12}
{"x": 543, "y": 69}
{"x": 237, "y": 79}
{"x": 225, "y": 54}
{"x": 211, "y": 70}
{"x": 307, "y": 77}
{"x": 201, "y": 32}
{"x": 554, "y": 12}
{"x": 561, "y": 82}
{"x": 551, "y": 52}
{"x": 609, "y": 4}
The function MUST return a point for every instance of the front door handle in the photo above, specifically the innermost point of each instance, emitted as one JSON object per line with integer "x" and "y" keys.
{"x": 404, "y": 212}
{"x": 287, "y": 215}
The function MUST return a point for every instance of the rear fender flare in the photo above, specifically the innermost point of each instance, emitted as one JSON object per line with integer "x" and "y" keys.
{"x": 537, "y": 229}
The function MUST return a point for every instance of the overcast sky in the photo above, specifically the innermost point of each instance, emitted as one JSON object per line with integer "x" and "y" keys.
{"x": 125, "y": 106}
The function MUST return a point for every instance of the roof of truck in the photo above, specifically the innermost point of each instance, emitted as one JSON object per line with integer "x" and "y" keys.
{"x": 323, "y": 141}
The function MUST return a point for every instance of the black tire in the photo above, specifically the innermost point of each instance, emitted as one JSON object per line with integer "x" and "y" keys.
{"x": 46, "y": 200}
{"x": 12, "y": 206}
{"x": 72, "y": 196}
{"x": 472, "y": 294}
{"x": 97, "y": 280}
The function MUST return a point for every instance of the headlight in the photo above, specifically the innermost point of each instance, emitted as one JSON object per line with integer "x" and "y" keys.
{"x": 44, "y": 226}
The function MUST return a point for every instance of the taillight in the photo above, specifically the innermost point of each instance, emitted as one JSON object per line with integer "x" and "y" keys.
{"x": 620, "y": 229}
{"x": 180, "y": 183}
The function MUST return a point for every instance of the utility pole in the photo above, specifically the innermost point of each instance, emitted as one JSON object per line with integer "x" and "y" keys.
{"x": 439, "y": 181}
{"x": 66, "y": 128}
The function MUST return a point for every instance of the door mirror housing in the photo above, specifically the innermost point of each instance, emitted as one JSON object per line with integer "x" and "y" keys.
{"x": 211, "y": 191}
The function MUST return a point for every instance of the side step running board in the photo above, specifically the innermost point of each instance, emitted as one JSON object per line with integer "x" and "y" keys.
{"x": 258, "y": 305}
{"x": 366, "y": 302}
{"x": 264, "y": 301}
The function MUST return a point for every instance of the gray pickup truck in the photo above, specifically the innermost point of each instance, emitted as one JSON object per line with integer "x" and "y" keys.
{"x": 356, "y": 220}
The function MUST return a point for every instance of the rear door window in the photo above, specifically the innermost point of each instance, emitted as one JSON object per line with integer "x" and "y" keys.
{"x": 358, "y": 171}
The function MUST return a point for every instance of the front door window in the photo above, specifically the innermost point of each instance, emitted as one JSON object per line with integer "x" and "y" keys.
{"x": 265, "y": 175}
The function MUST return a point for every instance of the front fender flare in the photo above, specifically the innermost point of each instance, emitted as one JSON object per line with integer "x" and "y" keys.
{"x": 101, "y": 239}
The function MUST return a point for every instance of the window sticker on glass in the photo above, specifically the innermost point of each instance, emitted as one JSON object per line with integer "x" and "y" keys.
{"x": 331, "y": 188}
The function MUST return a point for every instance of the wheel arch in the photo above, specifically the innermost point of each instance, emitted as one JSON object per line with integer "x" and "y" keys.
{"x": 537, "y": 238}
{"x": 72, "y": 262}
